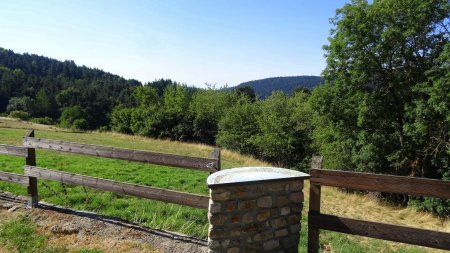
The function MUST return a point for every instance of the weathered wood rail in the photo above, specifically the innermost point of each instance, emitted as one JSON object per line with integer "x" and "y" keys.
{"x": 147, "y": 192}
{"x": 377, "y": 183}
{"x": 13, "y": 177}
{"x": 198, "y": 163}
{"x": 32, "y": 172}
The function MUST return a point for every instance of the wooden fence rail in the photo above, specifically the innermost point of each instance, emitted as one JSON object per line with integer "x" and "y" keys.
{"x": 170, "y": 196}
{"x": 32, "y": 173}
{"x": 14, "y": 178}
{"x": 13, "y": 150}
{"x": 372, "y": 182}
{"x": 198, "y": 163}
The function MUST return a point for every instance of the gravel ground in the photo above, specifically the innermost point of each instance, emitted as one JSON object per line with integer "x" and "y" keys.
{"x": 79, "y": 229}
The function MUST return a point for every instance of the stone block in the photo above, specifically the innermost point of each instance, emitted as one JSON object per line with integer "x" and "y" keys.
{"x": 294, "y": 219}
{"x": 278, "y": 223}
{"x": 236, "y": 219}
{"x": 215, "y": 233}
{"x": 297, "y": 209}
{"x": 285, "y": 211}
{"x": 278, "y": 187}
{"x": 233, "y": 250}
{"x": 282, "y": 232}
{"x": 246, "y": 204}
{"x": 296, "y": 186}
{"x": 248, "y": 218}
{"x": 218, "y": 220}
{"x": 215, "y": 207}
{"x": 265, "y": 202}
{"x": 220, "y": 196}
{"x": 230, "y": 206}
{"x": 296, "y": 197}
{"x": 263, "y": 215}
{"x": 282, "y": 200}
{"x": 271, "y": 244}
{"x": 263, "y": 236}
{"x": 213, "y": 244}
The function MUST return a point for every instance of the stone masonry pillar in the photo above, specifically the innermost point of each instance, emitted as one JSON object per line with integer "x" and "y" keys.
{"x": 255, "y": 209}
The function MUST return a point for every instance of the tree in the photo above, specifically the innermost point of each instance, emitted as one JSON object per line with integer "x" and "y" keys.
{"x": 121, "y": 119}
{"x": 283, "y": 137}
{"x": 207, "y": 107}
{"x": 74, "y": 117}
{"x": 24, "y": 104}
{"x": 376, "y": 56}
{"x": 248, "y": 92}
{"x": 238, "y": 127}
{"x": 43, "y": 106}
{"x": 384, "y": 107}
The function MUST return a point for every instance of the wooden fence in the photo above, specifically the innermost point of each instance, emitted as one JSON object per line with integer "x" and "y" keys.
{"x": 377, "y": 183}
{"x": 32, "y": 172}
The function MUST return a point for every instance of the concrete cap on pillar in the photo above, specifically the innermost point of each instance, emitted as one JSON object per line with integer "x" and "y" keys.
{"x": 249, "y": 175}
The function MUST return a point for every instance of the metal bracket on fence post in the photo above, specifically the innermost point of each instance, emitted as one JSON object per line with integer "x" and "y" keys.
{"x": 32, "y": 187}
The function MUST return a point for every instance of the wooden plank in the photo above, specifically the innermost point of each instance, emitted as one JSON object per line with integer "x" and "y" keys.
{"x": 198, "y": 163}
{"x": 13, "y": 178}
{"x": 176, "y": 197}
{"x": 382, "y": 183}
{"x": 33, "y": 197}
{"x": 395, "y": 233}
{"x": 216, "y": 156}
{"x": 13, "y": 150}
{"x": 314, "y": 207}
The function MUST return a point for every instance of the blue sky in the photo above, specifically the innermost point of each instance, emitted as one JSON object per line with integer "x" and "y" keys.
{"x": 195, "y": 42}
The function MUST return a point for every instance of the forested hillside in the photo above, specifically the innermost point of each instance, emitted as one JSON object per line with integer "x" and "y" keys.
{"x": 37, "y": 87}
{"x": 264, "y": 87}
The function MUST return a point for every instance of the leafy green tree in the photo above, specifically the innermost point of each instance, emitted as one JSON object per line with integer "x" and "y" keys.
{"x": 238, "y": 126}
{"x": 248, "y": 92}
{"x": 24, "y": 104}
{"x": 69, "y": 97}
{"x": 208, "y": 107}
{"x": 43, "y": 105}
{"x": 176, "y": 122}
{"x": 382, "y": 109}
{"x": 377, "y": 53}
{"x": 74, "y": 117}
{"x": 121, "y": 119}
{"x": 284, "y": 130}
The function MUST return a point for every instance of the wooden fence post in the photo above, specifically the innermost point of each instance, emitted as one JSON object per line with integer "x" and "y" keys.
{"x": 216, "y": 155}
{"x": 314, "y": 207}
{"x": 31, "y": 161}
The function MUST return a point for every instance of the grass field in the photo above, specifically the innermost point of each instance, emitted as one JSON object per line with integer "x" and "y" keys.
{"x": 172, "y": 217}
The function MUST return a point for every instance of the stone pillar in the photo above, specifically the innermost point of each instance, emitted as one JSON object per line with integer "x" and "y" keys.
{"x": 255, "y": 209}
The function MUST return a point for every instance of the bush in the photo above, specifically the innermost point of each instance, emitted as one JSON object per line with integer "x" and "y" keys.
{"x": 74, "y": 117}
{"x": 19, "y": 115}
{"x": 80, "y": 124}
{"x": 121, "y": 119}
{"x": 44, "y": 120}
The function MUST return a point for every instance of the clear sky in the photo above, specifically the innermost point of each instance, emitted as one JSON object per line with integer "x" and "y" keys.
{"x": 190, "y": 41}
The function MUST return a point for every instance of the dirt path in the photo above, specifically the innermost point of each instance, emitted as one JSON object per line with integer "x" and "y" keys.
{"x": 76, "y": 229}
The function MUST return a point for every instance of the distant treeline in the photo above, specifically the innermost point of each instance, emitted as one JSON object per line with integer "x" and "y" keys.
{"x": 384, "y": 106}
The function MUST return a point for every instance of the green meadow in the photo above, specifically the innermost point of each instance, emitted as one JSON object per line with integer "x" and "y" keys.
{"x": 152, "y": 214}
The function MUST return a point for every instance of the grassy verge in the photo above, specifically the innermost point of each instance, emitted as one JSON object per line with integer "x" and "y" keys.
{"x": 21, "y": 235}
{"x": 186, "y": 220}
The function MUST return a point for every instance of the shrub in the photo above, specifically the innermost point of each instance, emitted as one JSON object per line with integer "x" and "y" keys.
{"x": 74, "y": 117}
{"x": 19, "y": 115}
{"x": 80, "y": 124}
{"x": 44, "y": 120}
